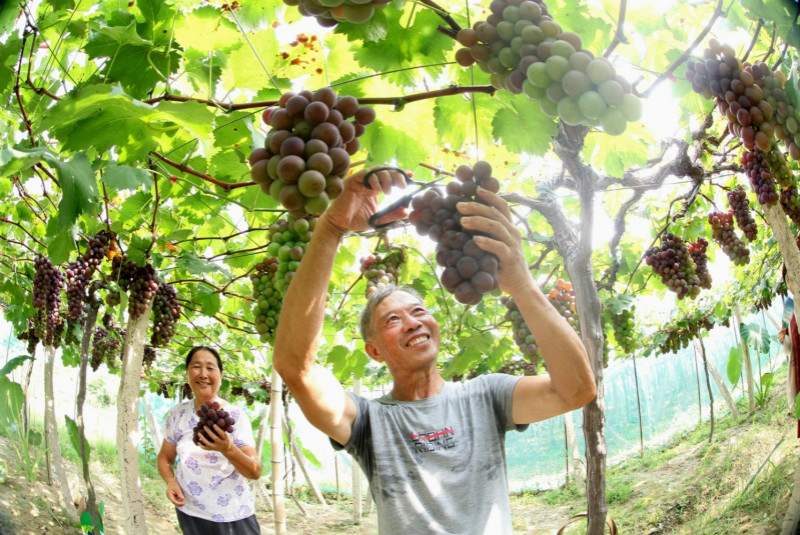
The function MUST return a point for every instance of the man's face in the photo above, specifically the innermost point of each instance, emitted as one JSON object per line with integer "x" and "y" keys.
{"x": 404, "y": 333}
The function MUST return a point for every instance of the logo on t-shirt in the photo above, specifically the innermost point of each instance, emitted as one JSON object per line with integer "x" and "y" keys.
{"x": 442, "y": 439}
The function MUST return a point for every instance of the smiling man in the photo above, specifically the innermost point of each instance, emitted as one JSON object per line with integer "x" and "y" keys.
{"x": 433, "y": 451}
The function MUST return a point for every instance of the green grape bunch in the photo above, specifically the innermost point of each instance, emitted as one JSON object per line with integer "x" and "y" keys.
{"x": 526, "y": 51}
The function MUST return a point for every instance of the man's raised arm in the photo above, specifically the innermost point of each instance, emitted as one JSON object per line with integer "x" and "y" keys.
{"x": 317, "y": 391}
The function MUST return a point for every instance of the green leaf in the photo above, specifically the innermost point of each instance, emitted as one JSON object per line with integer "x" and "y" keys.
{"x": 735, "y": 363}
{"x": 208, "y": 299}
{"x": 797, "y": 406}
{"x": 60, "y": 246}
{"x": 86, "y": 522}
{"x": 756, "y": 337}
{"x": 125, "y": 177}
{"x": 16, "y": 159}
{"x": 74, "y": 438}
{"x": 137, "y": 64}
{"x": 195, "y": 265}
{"x": 523, "y": 127}
{"x": 78, "y": 189}
{"x": 14, "y": 363}
{"x": 11, "y": 398}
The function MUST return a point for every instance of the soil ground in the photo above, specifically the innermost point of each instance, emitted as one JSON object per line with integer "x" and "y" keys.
{"x": 689, "y": 486}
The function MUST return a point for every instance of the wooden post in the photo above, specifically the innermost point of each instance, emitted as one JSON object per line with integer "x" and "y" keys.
{"x": 276, "y": 438}
{"x": 51, "y": 430}
{"x": 298, "y": 455}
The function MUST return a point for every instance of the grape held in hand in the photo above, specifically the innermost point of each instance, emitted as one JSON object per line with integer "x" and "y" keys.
{"x": 208, "y": 415}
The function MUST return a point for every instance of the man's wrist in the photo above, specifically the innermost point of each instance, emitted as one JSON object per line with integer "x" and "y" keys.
{"x": 329, "y": 229}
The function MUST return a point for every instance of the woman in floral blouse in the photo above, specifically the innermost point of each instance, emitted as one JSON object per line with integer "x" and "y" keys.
{"x": 209, "y": 488}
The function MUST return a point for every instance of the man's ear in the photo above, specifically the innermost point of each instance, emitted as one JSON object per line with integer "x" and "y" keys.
{"x": 373, "y": 352}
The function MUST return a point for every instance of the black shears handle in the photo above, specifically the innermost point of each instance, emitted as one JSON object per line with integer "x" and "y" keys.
{"x": 402, "y": 202}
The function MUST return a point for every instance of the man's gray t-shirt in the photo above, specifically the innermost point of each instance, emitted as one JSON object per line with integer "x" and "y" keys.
{"x": 438, "y": 465}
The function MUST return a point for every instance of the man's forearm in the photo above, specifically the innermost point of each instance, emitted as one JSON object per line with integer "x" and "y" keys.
{"x": 303, "y": 308}
{"x": 561, "y": 347}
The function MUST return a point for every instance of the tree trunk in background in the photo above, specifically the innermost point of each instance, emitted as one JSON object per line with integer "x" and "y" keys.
{"x": 88, "y": 331}
{"x": 151, "y": 423}
{"x": 748, "y": 368}
{"x": 638, "y": 407}
{"x": 721, "y": 385}
{"x": 791, "y": 261}
{"x": 262, "y": 429}
{"x": 128, "y": 424}
{"x": 578, "y": 466}
{"x": 298, "y": 455}
{"x": 25, "y": 408}
{"x": 51, "y": 429}
{"x": 708, "y": 385}
{"x": 356, "y": 471}
{"x": 276, "y": 438}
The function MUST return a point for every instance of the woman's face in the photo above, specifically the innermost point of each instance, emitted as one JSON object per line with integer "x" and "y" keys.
{"x": 204, "y": 376}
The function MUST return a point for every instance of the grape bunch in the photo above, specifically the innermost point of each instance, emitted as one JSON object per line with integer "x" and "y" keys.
{"x": 307, "y": 151}
{"x": 208, "y": 415}
{"x": 105, "y": 348}
{"x": 267, "y": 299}
{"x": 288, "y": 240}
{"x": 756, "y": 167}
{"x": 674, "y": 264}
{"x": 737, "y": 198}
{"x": 166, "y": 311}
{"x": 790, "y": 202}
{"x": 697, "y": 251}
{"x": 140, "y": 282}
{"x": 469, "y": 271}
{"x": 47, "y": 283}
{"x": 624, "y": 325}
{"x": 562, "y": 297}
{"x": 725, "y": 235}
{"x": 149, "y": 356}
{"x": 381, "y": 270}
{"x": 526, "y": 51}
{"x": 520, "y": 331}
{"x": 79, "y": 273}
{"x": 518, "y": 367}
{"x": 30, "y": 336}
{"x": 329, "y": 13}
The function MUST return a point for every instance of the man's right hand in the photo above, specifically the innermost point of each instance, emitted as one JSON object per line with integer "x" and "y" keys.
{"x": 357, "y": 203}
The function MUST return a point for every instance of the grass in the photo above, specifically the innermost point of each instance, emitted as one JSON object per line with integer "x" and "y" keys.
{"x": 691, "y": 485}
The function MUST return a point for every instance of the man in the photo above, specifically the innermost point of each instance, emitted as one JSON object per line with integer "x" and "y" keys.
{"x": 432, "y": 451}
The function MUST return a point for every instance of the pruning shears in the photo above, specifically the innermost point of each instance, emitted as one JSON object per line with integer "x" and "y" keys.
{"x": 403, "y": 202}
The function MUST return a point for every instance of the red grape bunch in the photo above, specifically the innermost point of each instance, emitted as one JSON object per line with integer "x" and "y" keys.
{"x": 751, "y": 96}
{"x": 105, "y": 348}
{"x": 209, "y": 414}
{"x": 47, "y": 283}
{"x": 166, "y": 311}
{"x": 469, "y": 271}
{"x": 697, "y": 250}
{"x": 518, "y": 367}
{"x": 675, "y": 265}
{"x": 79, "y": 273}
{"x": 381, "y": 270}
{"x": 737, "y": 198}
{"x": 562, "y": 297}
{"x": 756, "y": 167}
{"x": 520, "y": 331}
{"x": 526, "y": 51}
{"x": 329, "y": 13}
{"x": 307, "y": 151}
{"x": 140, "y": 282}
{"x": 725, "y": 235}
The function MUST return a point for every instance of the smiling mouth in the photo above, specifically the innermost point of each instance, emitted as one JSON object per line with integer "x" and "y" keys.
{"x": 417, "y": 341}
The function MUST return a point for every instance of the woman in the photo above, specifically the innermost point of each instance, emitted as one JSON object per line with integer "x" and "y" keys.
{"x": 209, "y": 489}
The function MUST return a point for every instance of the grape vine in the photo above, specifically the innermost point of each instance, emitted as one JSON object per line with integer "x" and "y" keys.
{"x": 381, "y": 270}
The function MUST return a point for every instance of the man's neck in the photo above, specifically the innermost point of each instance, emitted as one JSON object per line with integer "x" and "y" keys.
{"x": 425, "y": 385}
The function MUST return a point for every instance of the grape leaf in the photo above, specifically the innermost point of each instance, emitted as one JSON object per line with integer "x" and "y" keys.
{"x": 78, "y": 189}
{"x": 74, "y": 438}
{"x": 521, "y": 126}
{"x": 125, "y": 177}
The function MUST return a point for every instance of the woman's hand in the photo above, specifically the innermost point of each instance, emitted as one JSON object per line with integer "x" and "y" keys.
{"x": 215, "y": 439}
{"x": 357, "y": 203}
{"x": 175, "y": 494}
